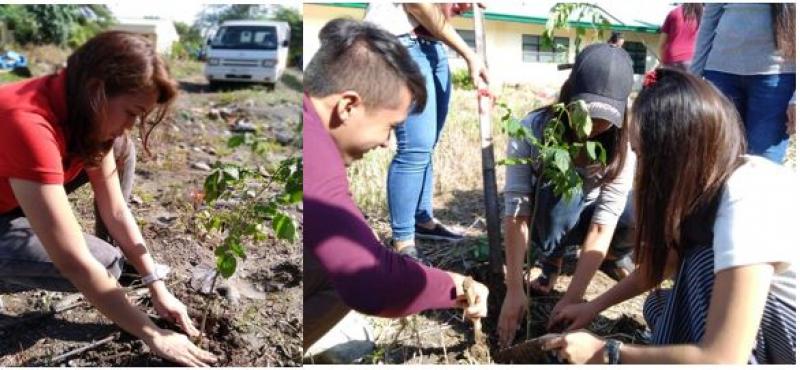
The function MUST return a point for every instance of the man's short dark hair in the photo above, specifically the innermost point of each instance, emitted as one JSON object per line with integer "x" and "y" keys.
{"x": 362, "y": 57}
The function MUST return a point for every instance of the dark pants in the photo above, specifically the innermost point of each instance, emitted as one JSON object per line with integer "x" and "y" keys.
{"x": 24, "y": 260}
{"x": 762, "y": 101}
{"x": 561, "y": 223}
{"x": 322, "y": 307}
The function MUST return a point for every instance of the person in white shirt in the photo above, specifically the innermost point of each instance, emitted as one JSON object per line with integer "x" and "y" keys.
{"x": 718, "y": 222}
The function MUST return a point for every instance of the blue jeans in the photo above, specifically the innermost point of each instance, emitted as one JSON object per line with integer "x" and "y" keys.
{"x": 410, "y": 180}
{"x": 761, "y": 101}
{"x": 560, "y": 223}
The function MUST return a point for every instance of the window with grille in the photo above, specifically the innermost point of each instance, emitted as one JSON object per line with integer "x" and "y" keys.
{"x": 533, "y": 50}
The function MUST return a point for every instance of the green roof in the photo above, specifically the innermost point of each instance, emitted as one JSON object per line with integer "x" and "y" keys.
{"x": 500, "y": 17}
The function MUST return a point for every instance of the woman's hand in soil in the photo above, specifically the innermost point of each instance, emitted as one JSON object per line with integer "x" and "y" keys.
{"x": 510, "y": 315}
{"x": 572, "y": 316}
{"x": 579, "y": 347}
{"x": 178, "y": 348}
{"x": 170, "y": 308}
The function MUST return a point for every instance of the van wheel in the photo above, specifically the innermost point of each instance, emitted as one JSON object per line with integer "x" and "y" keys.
{"x": 270, "y": 86}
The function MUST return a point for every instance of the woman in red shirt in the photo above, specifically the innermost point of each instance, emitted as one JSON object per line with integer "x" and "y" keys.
{"x": 62, "y": 131}
{"x": 678, "y": 34}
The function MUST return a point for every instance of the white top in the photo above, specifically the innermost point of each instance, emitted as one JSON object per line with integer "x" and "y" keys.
{"x": 391, "y": 17}
{"x": 756, "y": 222}
{"x": 609, "y": 199}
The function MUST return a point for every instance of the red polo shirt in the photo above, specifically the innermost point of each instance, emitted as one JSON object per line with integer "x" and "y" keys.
{"x": 32, "y": 141}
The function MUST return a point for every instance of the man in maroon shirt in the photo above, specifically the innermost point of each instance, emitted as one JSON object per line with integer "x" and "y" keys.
{"x": 358, "y": 86}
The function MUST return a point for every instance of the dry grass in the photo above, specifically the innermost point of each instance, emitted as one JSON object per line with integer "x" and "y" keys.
{"x": 457, "y": 158}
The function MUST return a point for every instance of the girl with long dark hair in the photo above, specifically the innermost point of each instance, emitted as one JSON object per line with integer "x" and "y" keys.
{"x": 716, "y": 222}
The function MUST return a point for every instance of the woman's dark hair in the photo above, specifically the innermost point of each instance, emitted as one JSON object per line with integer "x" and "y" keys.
{"x": 614, "y": 140}
{"x": 783, "y": 28}
{"x": 692, "y": 11}
{"x": 689, "y": 139}
{"x": 111, "y": 64}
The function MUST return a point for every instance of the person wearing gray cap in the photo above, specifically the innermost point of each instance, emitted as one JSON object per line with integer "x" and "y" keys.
{"x": 599, "y": 219}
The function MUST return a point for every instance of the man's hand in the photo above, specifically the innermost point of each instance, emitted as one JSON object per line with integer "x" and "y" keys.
{"x": 790, "y": 124}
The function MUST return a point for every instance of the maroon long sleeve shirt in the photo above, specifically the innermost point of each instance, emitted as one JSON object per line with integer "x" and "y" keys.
{"x": 367, "y": 276}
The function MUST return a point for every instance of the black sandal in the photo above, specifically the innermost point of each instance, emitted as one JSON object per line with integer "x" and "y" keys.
{"x": 550, "y": 271}
{"x": 612, "y": 267}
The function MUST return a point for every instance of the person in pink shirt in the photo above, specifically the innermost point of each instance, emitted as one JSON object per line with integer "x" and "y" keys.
{"x": 678, "y": 34}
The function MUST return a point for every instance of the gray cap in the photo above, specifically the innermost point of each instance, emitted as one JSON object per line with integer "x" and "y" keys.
{"x": 603, "y": 77}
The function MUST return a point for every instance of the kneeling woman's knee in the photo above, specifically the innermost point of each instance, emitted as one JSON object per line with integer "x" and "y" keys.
{"x": 108, "y": 255}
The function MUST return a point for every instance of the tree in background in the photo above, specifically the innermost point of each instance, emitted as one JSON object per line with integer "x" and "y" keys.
{"x": 191, "y": 41}
{"x": 62, "y": 25}
{"x": 296, "y": 24}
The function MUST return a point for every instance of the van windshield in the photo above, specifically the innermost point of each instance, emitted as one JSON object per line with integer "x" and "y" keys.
{"x": 246, "y": 37}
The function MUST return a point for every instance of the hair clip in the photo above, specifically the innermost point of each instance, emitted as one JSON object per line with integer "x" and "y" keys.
{"x": 650, "y": 79}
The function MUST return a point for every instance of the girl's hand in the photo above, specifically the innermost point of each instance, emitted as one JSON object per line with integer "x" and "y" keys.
{"x": 170, "y": 308}
{"x": 176, "y": 347}
{"x": 573, "y": 316}
{"x": 478, "y": 72}
{"x": 579, "y": 347}
{"x": 510, "y": 315}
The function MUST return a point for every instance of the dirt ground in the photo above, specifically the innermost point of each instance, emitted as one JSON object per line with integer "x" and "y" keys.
{"x": 256, "y": 317}
{"x": 442, "y": 337}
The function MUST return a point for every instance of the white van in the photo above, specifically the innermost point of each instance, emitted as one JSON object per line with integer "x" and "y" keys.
{"x": 248, "y": 51}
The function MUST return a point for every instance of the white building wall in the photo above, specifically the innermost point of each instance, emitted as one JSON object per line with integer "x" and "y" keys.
{"x": 503, "y": 43}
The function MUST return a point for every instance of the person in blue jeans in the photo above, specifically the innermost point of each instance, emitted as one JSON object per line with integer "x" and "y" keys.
{"x": 748, "y": 52}
{"x": 424, "y": 29}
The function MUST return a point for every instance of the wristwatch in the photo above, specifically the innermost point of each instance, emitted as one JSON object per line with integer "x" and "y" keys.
{"x": 159, "y": 273}
{"x": 611, "y": 354}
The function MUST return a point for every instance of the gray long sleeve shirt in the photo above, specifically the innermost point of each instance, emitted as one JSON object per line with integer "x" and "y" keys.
{"x": 738, "y": 39}
{"x": 609, "y": 199}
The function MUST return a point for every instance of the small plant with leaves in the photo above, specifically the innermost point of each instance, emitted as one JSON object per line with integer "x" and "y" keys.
{"x": 559, "y": 19}
{"x": 243, "y": 200}
{"x": 555, "y": 163}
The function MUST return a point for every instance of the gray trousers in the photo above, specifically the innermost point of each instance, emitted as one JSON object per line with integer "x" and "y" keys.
{"x": 23, "y": 258}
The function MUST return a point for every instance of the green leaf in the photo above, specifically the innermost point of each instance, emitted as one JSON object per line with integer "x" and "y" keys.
{"x": 212, "y": 185}
{"x": 231, "y": 173}
{"x": 266, "y": 210}
{"x": 214, "y": 223}
{"x": 295, "y": 196}
{"x": 236, "y": 141}
{"x": 513, "y": 161}
{"x": 237, "y": 248}
{"x": 220, "y": 251}
{"x": 561, "y": 159}
{"x": 581, "y": 121}
{"x": 226, "y": 265}
{"x": 284, "y": 226}
{"x": 591, "y": 146}
{"x": 602, "y": 154}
